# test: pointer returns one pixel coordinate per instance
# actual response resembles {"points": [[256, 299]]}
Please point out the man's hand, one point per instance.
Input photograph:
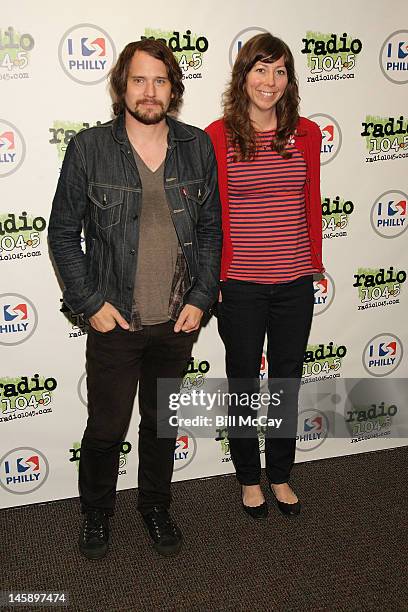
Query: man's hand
{"points": [[106, 319], [189, 319]]}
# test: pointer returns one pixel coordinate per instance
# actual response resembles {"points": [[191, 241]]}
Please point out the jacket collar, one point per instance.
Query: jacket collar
{"points": [[178, 132]]}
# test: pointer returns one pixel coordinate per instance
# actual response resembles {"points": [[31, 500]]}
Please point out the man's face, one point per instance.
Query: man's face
{"points": [[148, 92]]}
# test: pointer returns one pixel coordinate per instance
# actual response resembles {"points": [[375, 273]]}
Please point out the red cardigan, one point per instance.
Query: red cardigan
{"points": [[308, 140]]}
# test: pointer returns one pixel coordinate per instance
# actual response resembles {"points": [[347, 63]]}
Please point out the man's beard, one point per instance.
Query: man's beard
{"points": [[147, 117]]}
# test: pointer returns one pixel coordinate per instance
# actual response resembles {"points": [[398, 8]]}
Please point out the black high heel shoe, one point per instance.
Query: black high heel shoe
{"points": [[256, 512], [287, 509]]}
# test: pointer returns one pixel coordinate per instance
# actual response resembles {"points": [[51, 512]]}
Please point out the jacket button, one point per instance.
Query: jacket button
{"points": [[132, 251]]}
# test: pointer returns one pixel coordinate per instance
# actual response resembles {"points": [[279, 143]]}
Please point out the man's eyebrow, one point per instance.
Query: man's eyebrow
{"points": [[143, 76]]}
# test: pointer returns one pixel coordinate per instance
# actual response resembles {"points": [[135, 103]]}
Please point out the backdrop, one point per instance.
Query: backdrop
{"points": [[352, 64]]}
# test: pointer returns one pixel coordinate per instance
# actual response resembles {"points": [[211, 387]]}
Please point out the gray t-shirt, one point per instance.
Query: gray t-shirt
{"points": [[158, 246]]}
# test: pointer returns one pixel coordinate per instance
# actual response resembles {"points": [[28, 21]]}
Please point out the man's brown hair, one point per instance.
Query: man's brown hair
{"points": [[155, 48]]}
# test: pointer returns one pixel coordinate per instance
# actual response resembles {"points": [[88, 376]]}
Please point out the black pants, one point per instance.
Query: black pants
{"points": [[247, 312], [116, 362]]}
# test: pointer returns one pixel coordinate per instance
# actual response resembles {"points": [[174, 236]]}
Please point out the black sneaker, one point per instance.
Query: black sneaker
{"points": [[94, 536], [167, 537]]}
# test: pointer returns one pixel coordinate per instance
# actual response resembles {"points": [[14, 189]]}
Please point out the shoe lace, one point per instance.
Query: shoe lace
{"points": [[94, 525], [162, 522]]}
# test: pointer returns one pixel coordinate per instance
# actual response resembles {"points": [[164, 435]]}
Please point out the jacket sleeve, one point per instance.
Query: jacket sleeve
{"points": [[209, 235], [64, 235]]}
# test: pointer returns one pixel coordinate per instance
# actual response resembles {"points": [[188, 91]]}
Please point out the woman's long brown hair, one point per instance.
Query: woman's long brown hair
{"points": [[268, 49]]}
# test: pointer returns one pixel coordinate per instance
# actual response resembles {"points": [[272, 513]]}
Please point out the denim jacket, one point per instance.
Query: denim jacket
{"points": [[99, 191]]}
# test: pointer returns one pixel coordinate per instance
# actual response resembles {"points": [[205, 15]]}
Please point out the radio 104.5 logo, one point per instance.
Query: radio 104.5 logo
{"points": [[62, 131], [188, 48], [194, 374], [322, 362], [336, 217], [222, 438], [125, 449], [378, 287], [330, 57], [15, 51], [373, 406], [386, 138], [25, 397], [20, 235], [370, 421], [78, 326]]}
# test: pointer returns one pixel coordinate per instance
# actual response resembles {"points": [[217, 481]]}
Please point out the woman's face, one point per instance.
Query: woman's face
{"points": [[265, 85]]}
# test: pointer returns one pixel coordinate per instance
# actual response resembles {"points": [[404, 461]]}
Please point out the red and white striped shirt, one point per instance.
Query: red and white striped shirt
{"points": [[269, 233]]}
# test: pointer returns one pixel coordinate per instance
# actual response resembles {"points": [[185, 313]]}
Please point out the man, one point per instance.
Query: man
{"points": [[144, 188]]}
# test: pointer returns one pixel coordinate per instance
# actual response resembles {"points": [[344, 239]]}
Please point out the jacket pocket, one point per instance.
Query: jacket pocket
{"points": [[195, 194], [107, 204]]}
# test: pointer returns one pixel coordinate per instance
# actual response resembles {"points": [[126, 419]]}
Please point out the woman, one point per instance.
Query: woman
{"points": [[269, 173]]}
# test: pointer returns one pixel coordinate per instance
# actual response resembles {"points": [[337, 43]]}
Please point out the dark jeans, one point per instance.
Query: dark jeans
{"points": [[116, 362], [247, 312]]}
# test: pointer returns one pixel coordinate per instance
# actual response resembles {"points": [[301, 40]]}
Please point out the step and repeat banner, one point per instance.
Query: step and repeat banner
{"points": [[352, 65]]}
